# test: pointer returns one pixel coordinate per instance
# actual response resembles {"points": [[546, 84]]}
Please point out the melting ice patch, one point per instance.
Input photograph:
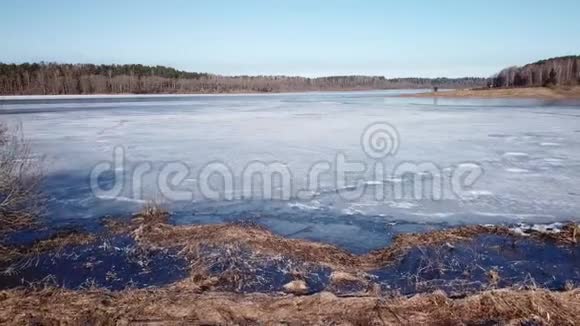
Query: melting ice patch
{"points": [[401, 204], [352, 211], [314, 205]]}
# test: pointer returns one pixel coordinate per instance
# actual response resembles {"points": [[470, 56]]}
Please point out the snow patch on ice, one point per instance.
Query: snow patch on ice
{"points": [[474, 194], [553, 160], [525, 229], [517, 170], [124, 199], [439, 215], [516, 154]]}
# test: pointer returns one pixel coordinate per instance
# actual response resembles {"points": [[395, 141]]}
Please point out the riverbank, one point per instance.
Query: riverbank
{"points": [[145, 269], [558, 93]]}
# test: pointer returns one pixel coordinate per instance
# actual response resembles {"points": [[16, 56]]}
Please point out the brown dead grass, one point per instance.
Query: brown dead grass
{"points": [[16, 222], [116, 226], [150, 230], [185, 305], [558, 93], [60, 241], [54, 244], [189, 239], [191, 301], [152, 213], [8, 253]]}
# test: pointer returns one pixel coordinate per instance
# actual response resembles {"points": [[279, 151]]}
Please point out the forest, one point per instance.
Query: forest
{"points": [[560, 71], [63, 79]]}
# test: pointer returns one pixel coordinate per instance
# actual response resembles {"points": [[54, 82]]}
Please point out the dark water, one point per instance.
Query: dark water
{"points": [[459, 270], [264, 274], [466, 266], [114, 263], [117, 263]]}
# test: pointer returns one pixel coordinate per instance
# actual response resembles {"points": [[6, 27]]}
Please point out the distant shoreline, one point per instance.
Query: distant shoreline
{"points": [[168, 95], [556, 93]]}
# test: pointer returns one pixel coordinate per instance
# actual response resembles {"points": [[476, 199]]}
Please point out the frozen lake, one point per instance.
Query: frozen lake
{"points": [[522, 159]]}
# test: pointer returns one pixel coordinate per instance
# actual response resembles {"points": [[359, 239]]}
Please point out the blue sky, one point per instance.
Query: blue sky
{"points": [[311, 38]]}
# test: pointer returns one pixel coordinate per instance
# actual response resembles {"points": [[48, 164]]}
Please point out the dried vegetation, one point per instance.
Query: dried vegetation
{"points": [[194, 300], [183, 305]]}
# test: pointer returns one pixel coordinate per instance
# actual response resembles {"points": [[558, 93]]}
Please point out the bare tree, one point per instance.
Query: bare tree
{"points": [[555, 71], [20, 175]]}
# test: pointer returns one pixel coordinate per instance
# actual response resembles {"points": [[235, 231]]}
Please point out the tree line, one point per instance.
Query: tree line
{"points": [[558, 71], [63, 79]]}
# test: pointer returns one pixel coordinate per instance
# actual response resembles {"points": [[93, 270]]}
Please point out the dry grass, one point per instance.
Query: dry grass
{"points": [[185, 305], [190, 239], [192, 301], [236, 246], [152, 213], [116, 226], [150, 230], [8, 253], [60, 241], [54, 244], [558, 93], [233, 248]]}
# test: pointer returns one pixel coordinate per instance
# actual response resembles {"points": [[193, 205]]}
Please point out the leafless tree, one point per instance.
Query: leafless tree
{"points": [[20, 175], [550, 72]]}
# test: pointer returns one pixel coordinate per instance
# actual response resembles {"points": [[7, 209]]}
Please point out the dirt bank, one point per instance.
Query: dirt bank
{"points": [[559, 93], [185, 305]]}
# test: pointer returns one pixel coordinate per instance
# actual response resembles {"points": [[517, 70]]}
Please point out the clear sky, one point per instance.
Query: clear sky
{"points": [[312, 38]]}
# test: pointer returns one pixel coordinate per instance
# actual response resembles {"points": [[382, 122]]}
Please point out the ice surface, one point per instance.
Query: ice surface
{"points": [[529, 151]]}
